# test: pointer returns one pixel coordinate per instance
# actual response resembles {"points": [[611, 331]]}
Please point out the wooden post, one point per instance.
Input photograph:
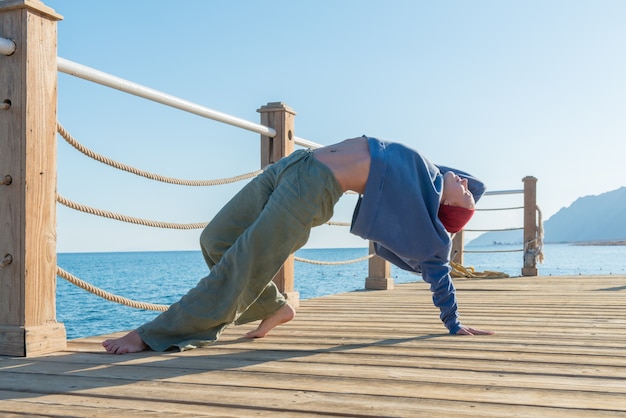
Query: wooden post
{"points": [[530, 226], [456, 254], [279, 116], [28, 88], [379, 273]]}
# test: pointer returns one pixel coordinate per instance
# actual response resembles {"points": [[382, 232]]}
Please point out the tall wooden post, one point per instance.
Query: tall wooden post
{"points": [[379, 273], [530, 226], [28, 90], [456, 254], [280, 117]]}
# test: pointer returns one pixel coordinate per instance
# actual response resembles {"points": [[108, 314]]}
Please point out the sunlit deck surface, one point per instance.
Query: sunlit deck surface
{"points": [[560, 351]]}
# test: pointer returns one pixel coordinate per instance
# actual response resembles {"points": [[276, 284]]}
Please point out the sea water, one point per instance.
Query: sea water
{"points": [[163, 277]]}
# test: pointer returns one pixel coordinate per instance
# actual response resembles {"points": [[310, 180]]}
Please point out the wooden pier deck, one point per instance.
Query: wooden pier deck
{"points": [[560, 351]]}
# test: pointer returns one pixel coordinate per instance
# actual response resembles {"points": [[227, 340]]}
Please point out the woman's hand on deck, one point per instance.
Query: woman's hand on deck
{"points": [[473, 331]]}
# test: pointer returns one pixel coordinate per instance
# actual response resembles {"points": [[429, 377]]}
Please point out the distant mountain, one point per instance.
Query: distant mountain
{"points": [[588, 219]]}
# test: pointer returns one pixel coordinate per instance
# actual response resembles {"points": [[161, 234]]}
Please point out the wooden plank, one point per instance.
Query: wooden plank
{"points": [[328, 395], [256, 367], [118, 381]]}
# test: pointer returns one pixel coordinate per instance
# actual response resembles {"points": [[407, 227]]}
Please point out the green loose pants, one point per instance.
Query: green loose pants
{"points": [[244, 246]]}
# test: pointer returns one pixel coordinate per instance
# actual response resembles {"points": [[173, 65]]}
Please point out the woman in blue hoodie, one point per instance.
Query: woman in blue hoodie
{"points": [[408, 207]]}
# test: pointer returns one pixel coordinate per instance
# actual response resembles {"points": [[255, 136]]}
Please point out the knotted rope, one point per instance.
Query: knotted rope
{"points": [[537, 251]]}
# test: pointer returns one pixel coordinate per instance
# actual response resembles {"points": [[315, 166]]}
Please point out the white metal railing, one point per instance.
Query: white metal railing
{"points": [[96, 76], [503, 192], [7, 46]]}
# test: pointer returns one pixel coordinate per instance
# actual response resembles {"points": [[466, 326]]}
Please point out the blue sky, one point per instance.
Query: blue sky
{"points": [[502, 89]]}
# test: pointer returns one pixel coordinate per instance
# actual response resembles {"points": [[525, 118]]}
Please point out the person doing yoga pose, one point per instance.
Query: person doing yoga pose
{"points": [[407, 207]]}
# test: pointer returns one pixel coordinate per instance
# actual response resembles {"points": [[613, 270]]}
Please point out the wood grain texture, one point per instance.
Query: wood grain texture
{"points": [[559, 351]]}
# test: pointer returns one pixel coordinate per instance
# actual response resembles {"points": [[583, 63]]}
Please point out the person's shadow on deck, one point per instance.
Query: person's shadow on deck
{"points": [[79, 373]]}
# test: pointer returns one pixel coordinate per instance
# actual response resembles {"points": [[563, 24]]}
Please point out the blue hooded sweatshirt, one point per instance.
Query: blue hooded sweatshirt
{"points": [[398, 212]]}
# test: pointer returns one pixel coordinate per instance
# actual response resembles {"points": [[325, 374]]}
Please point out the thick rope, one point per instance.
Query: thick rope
{"points": [[139, 221], [151, 306], [106, 295], [129, 219], [333, 263], [458, 271], [120, 166], [331, 223]]}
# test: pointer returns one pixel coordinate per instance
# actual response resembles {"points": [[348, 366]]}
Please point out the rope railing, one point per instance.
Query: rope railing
{"points": [[96, 76], [139, 221], [458, 270], [121, 166], [143, 305], [106, 295], [334, 263], [521, 228], [129, 219], [134, 220], [151, 306], [532, 253]]}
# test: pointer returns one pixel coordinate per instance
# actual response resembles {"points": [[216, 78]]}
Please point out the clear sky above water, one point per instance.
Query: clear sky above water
{"points": [[501, 89]]}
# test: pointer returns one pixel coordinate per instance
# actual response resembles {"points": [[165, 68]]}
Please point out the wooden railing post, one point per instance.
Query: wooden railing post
{"points": [[456, 254], [379, 273], [281, 117], [28, 90], [530, 226]]}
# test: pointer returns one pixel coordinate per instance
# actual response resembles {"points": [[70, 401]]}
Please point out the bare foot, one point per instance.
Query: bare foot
{"points": [[129, 343], [285, 314]]}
